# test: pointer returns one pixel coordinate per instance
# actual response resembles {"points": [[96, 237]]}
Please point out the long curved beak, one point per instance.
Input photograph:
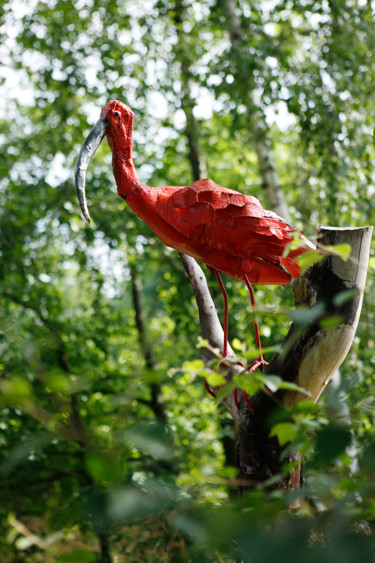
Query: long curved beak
{"points": [[93, 140]]}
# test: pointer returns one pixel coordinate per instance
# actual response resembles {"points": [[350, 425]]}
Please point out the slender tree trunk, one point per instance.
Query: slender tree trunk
{"points": [[136, 287], [157, 401], [197, 162], [198, 169], [257, 124]]}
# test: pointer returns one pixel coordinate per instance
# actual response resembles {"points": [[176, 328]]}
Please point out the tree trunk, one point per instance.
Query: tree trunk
{"points": [[156, 402], [198, 167], [197, 162], [257, 123], [310, 354]]}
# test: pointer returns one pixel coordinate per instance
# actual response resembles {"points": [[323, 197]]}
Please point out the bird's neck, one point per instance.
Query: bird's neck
{"points": [[125, 175], [121, 141]]}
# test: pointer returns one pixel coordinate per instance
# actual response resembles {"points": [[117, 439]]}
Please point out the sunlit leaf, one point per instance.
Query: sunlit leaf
{"points": [[25, 542], [342, 250], [194, 366], [308, 259], [331, 322], [17, 390], [215, 378], [237, 344], [284, 431]]}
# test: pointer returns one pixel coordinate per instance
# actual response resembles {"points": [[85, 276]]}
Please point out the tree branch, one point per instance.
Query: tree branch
{"points": [[156, 403]]}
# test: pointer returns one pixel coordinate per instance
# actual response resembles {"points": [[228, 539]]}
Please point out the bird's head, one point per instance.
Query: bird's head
{"points": [[116, 121]]}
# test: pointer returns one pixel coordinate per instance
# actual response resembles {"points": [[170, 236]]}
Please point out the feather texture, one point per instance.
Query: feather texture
{"points": [[223, 228]]}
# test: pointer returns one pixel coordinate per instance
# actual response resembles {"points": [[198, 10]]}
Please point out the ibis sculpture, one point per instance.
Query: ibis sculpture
{"points": [[226, 230]]}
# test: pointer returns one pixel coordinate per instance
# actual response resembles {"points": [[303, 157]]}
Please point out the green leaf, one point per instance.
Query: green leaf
{"points": [[78, 555], [225, 391], [105, 466], [329, 323], [342, 250], [294, 387], [367, 460], [17, 390], [237, 344], [274, 383], [284, 431], [345, 296], [215, 379], [296, 243], [253, 353], [24, 542], [194, 366], [308, 259], [152, 438], [331, 442], [20, 452], [250, 383], [305, 316]]}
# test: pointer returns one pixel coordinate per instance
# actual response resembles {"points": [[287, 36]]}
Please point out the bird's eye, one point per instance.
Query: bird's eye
{"points": [[116, 114]]}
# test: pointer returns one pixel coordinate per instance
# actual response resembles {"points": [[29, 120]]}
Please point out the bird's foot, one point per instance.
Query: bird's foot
{"points": [[256, 364], [252, 367]]}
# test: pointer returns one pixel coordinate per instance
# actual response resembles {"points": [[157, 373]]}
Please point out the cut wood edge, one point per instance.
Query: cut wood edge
{"points": [[320, 351], [311, 358]]}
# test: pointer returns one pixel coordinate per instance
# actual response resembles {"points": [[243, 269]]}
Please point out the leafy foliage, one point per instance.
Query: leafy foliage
{"points": [[102, 450]]}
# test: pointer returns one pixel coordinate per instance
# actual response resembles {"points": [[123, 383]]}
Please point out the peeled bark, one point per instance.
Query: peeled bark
{"points": [[310, 354]]}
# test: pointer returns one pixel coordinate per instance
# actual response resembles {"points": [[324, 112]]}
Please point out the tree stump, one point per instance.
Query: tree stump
{"points": [[332, 292]]}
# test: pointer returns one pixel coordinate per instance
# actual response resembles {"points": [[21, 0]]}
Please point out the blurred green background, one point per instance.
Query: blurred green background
{"points": [[110, 448]]}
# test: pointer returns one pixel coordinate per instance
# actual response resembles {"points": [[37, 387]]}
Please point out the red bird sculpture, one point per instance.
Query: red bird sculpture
{"points": [[226, 230]]}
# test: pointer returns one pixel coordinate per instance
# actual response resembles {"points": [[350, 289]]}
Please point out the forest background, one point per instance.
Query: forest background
{"points": [[110, 448]]}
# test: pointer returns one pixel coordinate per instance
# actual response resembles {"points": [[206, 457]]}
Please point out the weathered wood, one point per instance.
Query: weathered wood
{"points": [[310, 354], [337, 286]]}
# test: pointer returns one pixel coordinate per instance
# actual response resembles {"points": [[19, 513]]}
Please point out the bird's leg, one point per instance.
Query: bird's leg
{"points": [[208, 389], [260, 361], [256, 327], [225, 345]]}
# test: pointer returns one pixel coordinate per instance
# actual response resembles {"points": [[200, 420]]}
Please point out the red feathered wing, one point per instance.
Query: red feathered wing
{"points": [[229, 231]]}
